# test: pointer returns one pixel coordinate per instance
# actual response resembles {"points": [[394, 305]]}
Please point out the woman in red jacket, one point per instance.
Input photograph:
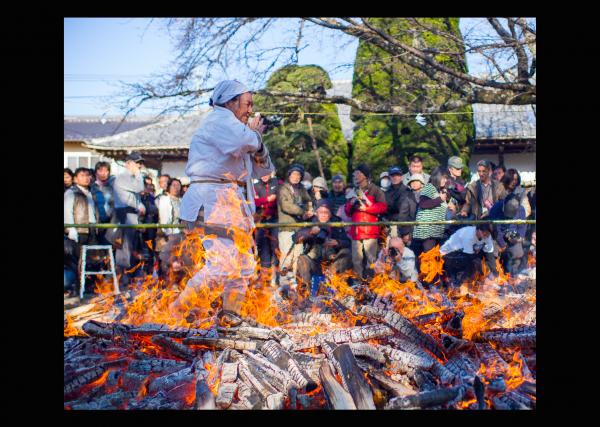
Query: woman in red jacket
{"points": [[366, 205]]}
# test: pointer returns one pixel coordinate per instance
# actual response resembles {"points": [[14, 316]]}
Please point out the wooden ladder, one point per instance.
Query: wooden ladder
{"points": [[84, 272]]}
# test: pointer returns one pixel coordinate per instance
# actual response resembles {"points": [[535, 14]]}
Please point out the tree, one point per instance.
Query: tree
{"points": [[384, 141], [291, 142], [210, 45]]}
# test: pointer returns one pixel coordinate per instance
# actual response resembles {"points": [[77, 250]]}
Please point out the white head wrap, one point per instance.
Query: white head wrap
{"points": [[226, 90]]}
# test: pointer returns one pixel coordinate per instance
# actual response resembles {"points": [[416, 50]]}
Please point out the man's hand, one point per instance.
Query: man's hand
{"points": [[257, 124], [443, 196], [452, 207], [73, 235], [362, 208], [488, 204], [142, 210], [315, 230], [271, 198]]}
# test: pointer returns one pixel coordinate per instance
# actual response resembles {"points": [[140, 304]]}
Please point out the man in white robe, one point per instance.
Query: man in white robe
{"points": [[226, 152]]}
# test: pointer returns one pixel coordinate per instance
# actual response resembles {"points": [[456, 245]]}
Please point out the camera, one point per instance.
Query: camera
{"points": [[511, 236], [393, 252], [271, 122]]}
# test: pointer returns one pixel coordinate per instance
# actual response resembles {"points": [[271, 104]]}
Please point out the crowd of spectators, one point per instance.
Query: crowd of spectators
{"points": [[293, 258]]}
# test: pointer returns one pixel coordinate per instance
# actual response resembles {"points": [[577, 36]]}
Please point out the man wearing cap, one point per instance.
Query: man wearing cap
{"points": [[455, 185], [366, 204], [129, 206], [225, 153], [293, 205], [323, 246], [483, 193], [394, 196], [337, 196]]}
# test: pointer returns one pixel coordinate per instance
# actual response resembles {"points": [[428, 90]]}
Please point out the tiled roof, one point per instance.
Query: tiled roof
{"points": [[86, 128], [495, 121]]}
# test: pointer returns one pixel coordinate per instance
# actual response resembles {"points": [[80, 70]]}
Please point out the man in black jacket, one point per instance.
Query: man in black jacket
{"points": [[394, 197], [322, 245]]}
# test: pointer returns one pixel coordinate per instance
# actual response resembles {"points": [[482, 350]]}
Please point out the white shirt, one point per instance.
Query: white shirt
{"points": [[168, 211], [465, 239]]}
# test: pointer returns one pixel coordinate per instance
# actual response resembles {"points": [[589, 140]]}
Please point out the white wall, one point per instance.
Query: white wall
{"points": [[175, 169], [524, 163]]}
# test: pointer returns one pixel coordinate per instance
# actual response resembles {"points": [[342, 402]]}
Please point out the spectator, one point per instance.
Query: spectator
{"points": [[337, 197], [498, 172], [149, 234], [323, 246], [265, 199], [415, 165], [433, 203], [366, 204], [102, 190], [512, 186], [384, 181], [482, 194], [409, 205], [80, 208], [400, 258], [184, 188], [464, 250], [128, 187], [394, 196], [163, 181], [510, 236], [307, 181], [71, 261], [293, 205], [169, 207], [319, 190], [68, 177], [456, 186]]}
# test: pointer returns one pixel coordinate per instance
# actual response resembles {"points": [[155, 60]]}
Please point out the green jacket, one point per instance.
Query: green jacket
{"points": [[292, 203]]}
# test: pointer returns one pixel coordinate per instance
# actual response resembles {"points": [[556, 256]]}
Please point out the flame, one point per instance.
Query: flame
{"points": [[431, 265], [70, 330]]}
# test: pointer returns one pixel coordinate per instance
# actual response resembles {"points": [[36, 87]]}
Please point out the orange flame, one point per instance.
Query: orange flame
{"points": [[432, 265]]}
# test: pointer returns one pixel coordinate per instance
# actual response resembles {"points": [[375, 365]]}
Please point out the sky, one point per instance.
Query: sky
{"points": [[101, 52]]}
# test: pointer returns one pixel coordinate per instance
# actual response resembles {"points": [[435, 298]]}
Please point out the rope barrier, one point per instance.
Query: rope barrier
{"points": [[310, 224]]}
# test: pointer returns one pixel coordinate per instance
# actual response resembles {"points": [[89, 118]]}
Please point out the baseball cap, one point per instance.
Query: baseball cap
{"points": [[395, 170], [134, 156], [456, 162]]}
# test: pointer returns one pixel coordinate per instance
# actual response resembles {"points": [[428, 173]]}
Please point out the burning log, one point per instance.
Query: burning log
{"points": [[452, 344], [357, 386], [408, 359], [246, 374], [172, 380], [454, 325], [226, 393], [173, 347], [229, 372], [479, 390], [156, 366], [508, 401], [204, 396], [334, 392], [222, 343], [341, 336], [405, 327], [248, 398], [272, 369], [133, 381], [461, 366], [396, 389], [73, 374], [494, 363], [527, 387], [437, 316], [108, 401], [284, 360], [423, 379], [106, 330], [427, 399], [81, 380], [156, 329], [524, 336], [367, 350], [160, 401], [275, 401], [310, 319]]}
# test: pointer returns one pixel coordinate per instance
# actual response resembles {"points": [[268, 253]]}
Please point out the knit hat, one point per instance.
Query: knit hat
{"points": [[296, 167], [416, 177], [325, 203], [455, 162], [320, 182], [364, 169]]}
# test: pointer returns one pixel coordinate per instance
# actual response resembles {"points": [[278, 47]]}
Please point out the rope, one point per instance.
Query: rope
{"points": [[310, 224]]}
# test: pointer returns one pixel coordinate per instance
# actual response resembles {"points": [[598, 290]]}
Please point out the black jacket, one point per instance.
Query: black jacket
{"points": [[313, 244], [408, 211], [457, 188], [393, 198]]}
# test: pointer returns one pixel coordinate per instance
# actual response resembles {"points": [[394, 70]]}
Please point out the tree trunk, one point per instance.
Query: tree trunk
{"points": [[314, 146]]}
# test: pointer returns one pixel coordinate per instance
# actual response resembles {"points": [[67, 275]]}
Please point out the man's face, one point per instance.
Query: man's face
{"points": [[359, 177], [323, 214], [416, 185], [498, 174], [68, 179], [338, 186], [265, 178], [175, 188], [295, 177], [456, 173], [398, 244], [133, 166], [242, 108], [415, 167], [162, 182], [83, 179], [102, 173], [396, 179], [484, 173]]}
